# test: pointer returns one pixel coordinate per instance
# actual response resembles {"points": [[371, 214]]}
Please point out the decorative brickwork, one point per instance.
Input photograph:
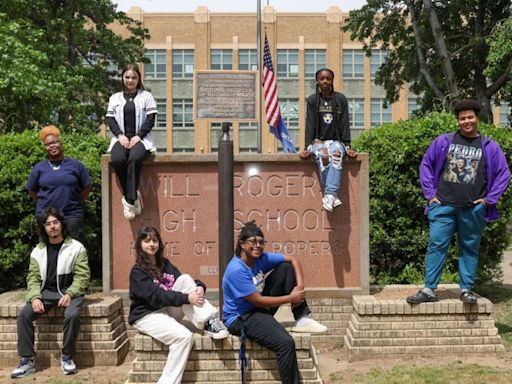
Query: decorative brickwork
{"points": [[102, 339], [385, 325], [213, 361]]}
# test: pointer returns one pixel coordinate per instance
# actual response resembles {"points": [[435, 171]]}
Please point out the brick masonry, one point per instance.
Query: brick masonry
{"points": [[385, 325], [102, 340]]}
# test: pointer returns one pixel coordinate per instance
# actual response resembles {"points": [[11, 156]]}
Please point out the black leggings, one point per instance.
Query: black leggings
{"points": [[127, 164], [261, 326]]}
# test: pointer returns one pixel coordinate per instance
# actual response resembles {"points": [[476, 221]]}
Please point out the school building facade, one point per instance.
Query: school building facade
{"points": [[300, 44]]}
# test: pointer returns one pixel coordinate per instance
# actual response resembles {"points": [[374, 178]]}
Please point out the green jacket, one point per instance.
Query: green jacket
{"points": [[73, 274]]}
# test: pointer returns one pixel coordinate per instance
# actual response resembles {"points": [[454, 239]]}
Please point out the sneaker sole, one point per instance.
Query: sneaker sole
{"points": [[216, 335], [29, 372]]}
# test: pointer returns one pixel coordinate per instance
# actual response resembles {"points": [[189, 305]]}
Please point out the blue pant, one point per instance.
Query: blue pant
{"points": [[330, 174], [469, 223]]}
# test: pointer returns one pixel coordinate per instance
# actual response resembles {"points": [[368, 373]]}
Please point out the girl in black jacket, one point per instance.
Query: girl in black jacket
{"points": [[160, 297]]}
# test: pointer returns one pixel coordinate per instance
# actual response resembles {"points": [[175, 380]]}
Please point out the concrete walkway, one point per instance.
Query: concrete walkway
{"points": [[506, 265]]}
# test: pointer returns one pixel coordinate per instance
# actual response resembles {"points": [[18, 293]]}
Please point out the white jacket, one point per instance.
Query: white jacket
{"points": [[144, 105]]}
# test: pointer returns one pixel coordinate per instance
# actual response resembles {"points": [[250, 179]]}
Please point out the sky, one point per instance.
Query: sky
{"points": [[238, 5]]}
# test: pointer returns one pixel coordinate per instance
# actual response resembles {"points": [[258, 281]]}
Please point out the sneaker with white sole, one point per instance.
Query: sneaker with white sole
{"points": [[215, 329], [138, 205], [312, 326], [327, 202], [128, 210], [337, 202], [68, 365], [25, 367]]}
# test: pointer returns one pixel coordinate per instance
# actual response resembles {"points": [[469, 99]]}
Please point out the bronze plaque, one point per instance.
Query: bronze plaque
{"points": [[226, 95]]}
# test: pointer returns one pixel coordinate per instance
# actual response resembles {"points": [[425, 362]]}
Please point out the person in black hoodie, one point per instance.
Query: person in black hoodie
{"points": [[160, 296]]}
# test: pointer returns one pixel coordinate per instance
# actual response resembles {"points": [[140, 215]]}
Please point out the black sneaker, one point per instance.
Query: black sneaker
{"points": [[422, 297], [468, 297], [215, 329]]}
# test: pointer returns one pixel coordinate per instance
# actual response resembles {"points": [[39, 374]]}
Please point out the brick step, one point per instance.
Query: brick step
{"points": [[420, 333], [421, 341], [366, 353], [257, 375], [51, 357]]}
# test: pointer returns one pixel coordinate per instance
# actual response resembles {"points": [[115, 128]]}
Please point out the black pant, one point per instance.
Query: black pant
{"points": [[127, 164], [27, 316], [261, 326]]}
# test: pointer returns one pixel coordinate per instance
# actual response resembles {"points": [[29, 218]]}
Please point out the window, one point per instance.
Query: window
{"points": [[182, 63], [376, 60], [248, 137], [505, 115], [221, 59], [356, 113], [156, 67], [314, 59], [412, 106], [215, 132], [353, 63], [183, 125], [248, 59], [161, 116], [287, 63], [290, 114], [379, 113]]}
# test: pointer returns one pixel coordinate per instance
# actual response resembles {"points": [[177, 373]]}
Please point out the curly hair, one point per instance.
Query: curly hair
{"points": [[466, 105], [47, 212]]}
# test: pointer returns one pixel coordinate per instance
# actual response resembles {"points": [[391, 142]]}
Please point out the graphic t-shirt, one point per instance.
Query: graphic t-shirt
{"points": [[326, 117], [240, 281], [464, 176]]}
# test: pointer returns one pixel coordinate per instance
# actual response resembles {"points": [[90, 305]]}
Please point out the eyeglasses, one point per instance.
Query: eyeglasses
{"points": [[256, 242]]}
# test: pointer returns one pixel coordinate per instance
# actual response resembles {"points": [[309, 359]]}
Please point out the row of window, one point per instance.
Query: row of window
{"points": [[287, 62]]}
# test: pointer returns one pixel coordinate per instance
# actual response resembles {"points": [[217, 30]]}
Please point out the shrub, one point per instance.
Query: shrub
{"points": [[18, 153], [398, 225]]}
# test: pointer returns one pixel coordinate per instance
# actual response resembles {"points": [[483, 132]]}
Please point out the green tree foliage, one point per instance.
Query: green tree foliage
{"points": [[18, 153], [60, 61], [398, 225], [438, 47], [500, 53]]}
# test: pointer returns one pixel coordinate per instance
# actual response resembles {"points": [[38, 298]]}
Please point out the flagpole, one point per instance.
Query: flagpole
{"points": [[258, 48]]}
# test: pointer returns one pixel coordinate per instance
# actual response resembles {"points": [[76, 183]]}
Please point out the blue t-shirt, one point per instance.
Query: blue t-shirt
{"points": [[60, 187], [240, 281]]}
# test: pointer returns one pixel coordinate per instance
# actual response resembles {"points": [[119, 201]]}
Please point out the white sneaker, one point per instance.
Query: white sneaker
{"points": [[128, 210], [215, 329], [25, 367], [68, 365], [337, 202], [327, 202], [312, 326], [138, 205]]}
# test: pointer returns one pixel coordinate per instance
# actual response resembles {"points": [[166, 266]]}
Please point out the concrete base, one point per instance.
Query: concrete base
{"points": [[384, 324], [102, 340]]}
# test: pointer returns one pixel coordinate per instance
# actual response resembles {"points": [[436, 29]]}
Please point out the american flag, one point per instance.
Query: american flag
{"points": [[274, 118]]}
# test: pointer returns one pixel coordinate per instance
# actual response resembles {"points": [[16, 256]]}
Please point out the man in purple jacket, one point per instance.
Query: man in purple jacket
{"points": [[460, 204]]}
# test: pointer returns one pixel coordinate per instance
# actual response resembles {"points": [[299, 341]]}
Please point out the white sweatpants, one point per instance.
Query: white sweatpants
{"points": [[164, 327]]}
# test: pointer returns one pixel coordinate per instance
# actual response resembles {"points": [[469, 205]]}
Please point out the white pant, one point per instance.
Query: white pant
{"points": [[164, 326]]}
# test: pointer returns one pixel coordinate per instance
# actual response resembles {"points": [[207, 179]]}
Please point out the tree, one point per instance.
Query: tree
{"points": [[438, 47], [60, 60]]}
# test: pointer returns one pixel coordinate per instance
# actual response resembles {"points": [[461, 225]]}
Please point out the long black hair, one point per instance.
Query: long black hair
{"points": [[156, 269], [250, 229], [55, 212], [332, 101]]}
